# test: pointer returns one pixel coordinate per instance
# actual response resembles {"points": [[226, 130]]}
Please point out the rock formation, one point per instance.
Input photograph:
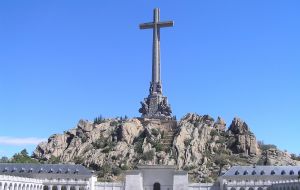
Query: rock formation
{"points": [[196, 143]]}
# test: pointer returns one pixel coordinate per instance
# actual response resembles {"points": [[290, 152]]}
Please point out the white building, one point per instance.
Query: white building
{"points": [[156, 177], [257, 177], [49, 176]]}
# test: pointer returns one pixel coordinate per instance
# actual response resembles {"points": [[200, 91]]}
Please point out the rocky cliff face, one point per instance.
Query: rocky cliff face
{"points": [[196, 143]]}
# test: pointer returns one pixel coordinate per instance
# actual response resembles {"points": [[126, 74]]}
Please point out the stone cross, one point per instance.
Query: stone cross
{"points": [[156, 25]]}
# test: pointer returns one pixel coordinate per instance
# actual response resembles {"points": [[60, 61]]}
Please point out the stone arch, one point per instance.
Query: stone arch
{"points": [[260, 188], [20, 186], [46, 187], [242, 188], [72, 188], [251, 188], [232, 188], [5, 186], [15, 186], [10, 186]]}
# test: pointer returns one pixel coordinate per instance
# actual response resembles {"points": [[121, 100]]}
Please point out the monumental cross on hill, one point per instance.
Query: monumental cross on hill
{"points": [[156, 106]]}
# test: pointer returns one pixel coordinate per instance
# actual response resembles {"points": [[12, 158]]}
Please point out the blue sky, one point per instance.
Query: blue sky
{"points": [[61, 61]]}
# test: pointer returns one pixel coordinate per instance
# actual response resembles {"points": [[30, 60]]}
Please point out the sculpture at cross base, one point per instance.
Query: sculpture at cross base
{"points": [[156, 105]]}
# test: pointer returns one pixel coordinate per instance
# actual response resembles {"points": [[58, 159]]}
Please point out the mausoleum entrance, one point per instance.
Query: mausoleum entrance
{"points": [[156, 186]]}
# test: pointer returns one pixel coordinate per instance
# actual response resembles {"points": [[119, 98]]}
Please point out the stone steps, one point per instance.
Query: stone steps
{"points": [[167, 140]]}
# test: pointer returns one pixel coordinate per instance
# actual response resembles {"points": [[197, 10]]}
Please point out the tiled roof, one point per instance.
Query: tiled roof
{"points": [[263, 170], [18, 168]]}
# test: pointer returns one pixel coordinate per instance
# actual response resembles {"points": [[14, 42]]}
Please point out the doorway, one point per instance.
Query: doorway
{"points": [[156, 186]]}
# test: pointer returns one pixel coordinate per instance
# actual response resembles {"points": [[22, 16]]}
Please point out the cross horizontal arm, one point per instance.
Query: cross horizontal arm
{"points": [[165, 24], [159, 24], [147, 25]]}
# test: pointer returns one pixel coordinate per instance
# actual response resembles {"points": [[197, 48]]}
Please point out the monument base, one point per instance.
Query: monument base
{"points": [[156, 106]]}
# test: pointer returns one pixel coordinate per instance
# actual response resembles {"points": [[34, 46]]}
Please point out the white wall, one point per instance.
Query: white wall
{"points": [[108, 186]]}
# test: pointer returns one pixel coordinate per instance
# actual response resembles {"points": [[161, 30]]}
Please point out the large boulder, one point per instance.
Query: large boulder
{"points": [[242, 140]]}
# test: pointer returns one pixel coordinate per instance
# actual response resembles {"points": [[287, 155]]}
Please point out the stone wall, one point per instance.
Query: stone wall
{"points": [[109, 186]]}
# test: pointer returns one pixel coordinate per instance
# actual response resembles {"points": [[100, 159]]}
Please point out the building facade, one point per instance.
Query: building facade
{"points": [[257, 177], [156, 177], [47, 176]]}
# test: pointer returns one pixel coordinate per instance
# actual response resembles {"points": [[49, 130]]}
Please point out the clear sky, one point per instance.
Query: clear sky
{"points": [[61, 61]]}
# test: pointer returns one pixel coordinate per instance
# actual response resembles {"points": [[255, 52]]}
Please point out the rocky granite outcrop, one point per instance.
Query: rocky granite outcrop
{"points": [[242, 140], [198, 144]]}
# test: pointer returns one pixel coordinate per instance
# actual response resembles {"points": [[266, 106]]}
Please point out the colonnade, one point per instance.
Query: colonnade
{"points": [[19, 183], [24, 183], [66, 184], [294, 185]]}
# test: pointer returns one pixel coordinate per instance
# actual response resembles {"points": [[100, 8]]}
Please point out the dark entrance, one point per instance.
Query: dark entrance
{"points": [[156, 186]]}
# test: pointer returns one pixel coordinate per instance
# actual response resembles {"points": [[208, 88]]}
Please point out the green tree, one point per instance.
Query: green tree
{"points": [[23, 157], [221, 160]]}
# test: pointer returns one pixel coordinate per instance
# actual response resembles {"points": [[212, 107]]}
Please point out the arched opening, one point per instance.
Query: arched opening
{"points": [[232, 188], [10, 186], [251, 188], [242, 188], [5, 186], [45, 187], [156, 186], [260, 188], [72, 188]]}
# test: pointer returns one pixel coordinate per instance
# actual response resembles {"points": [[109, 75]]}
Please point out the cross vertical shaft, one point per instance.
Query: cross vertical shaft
{"points": [[156, 25], [156, 49]]}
